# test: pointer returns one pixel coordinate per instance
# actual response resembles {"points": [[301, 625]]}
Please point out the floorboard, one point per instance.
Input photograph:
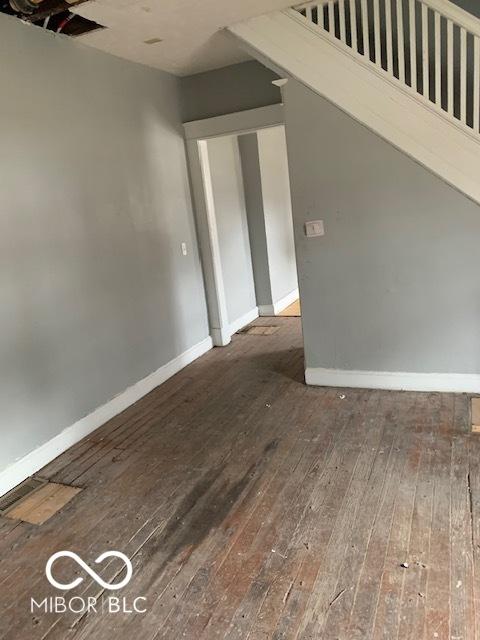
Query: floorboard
{"points": [[253, 507], [293, 310]]}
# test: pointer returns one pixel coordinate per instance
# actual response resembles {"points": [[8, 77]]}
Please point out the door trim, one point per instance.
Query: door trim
{"points": [[197, 133]]}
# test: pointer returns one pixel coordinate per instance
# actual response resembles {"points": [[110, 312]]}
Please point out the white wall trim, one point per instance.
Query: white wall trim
{"points": [[217, 297], [208, 240], [18, 471], [234, 123], [277, 307], [286, 301], [241, 322], [196, 133], [221, 336], [401, 381]]}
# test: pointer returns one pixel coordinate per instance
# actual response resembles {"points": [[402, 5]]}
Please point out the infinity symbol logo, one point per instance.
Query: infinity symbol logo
{"points": [[87, 569]]}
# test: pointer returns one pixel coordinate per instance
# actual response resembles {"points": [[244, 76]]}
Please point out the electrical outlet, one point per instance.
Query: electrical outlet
{"points": [[184, 248], [314, 228]]}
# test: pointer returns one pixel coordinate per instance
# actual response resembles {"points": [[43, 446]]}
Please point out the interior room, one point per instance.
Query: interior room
{"points": [[239, 313]]}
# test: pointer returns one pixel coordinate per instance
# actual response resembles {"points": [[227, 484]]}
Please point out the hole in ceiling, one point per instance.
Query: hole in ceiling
{"points": [[53, 15], [152, 41]]}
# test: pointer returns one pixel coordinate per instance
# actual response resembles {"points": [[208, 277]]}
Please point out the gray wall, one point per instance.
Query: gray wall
{"points": [[273, 159], [247, 85], [393, 285], [472, 6], [94, 291], [232, 225], [267, 194], [248, 145]]}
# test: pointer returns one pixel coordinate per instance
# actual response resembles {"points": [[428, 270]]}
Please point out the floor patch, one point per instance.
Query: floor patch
{"points": [[261, 330], [16, 494], [41, 504]]}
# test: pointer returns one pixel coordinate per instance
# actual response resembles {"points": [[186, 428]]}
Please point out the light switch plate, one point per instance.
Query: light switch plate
{"points": [[314, 228]]}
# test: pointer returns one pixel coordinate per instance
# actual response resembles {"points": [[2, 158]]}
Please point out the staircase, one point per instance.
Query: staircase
{"points": [[407, 69]]}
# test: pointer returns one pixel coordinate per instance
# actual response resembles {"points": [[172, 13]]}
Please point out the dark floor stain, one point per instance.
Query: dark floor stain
{"points": [[203, 509], [271, 446]]}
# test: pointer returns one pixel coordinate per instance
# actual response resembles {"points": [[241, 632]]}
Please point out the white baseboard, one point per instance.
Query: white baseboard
{"points": [[243, 321], [35, 460], [278, 306], [221, 337], [446, 382], [286, 301]]}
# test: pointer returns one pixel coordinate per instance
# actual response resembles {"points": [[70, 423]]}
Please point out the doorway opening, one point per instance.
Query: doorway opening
{"points": [[242, 195]]}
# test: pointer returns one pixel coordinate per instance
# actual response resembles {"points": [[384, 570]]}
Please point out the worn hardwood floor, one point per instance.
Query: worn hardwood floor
{"points": [[292, 310], [254, 507]]}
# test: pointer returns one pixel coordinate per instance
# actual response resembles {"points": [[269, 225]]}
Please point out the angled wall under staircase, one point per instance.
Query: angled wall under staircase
{"points": [[391, 294]]}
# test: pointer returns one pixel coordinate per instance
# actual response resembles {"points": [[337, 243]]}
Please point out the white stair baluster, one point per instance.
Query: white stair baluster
{"points": [[425, 53], [377, 32], [476, 83], [438, 59], [400, 42], [365, 29], [331, 17], [450, 69], [413, 44], [341, 15], [353, 24], [388, 35], [463, 75]]}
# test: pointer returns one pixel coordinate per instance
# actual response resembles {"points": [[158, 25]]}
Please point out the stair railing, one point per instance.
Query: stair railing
{"points": [[431, 47]]}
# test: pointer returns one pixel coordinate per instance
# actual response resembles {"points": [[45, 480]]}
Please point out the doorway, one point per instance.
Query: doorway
{"points": [[242, 195]]}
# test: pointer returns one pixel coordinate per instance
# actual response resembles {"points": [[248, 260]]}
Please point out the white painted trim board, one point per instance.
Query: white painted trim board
{"points": [[235, 123], [394, 380], [277, 307]]}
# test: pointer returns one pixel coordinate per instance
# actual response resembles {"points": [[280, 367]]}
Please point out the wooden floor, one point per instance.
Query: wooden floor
{"points": [[293, 310], [255, 507]]}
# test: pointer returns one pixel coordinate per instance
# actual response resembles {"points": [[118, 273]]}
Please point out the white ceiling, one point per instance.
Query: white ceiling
{"points": [[189, 30]]}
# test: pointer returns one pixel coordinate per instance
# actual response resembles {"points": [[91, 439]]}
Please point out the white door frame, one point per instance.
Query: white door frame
{"points": [[197, 133]]}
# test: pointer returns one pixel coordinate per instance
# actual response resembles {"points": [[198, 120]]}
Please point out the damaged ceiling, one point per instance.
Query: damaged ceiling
{"points": [[53, 15], [178, 36]]}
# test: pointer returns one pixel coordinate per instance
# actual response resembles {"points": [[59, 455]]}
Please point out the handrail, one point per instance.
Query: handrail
{"points": [[401, 40], [454, 13], [448, 10], [310, 3]]}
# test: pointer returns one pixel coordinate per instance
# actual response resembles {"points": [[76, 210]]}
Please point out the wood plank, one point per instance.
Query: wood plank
{"points": [[51, 505], [437, 590], [476, 415], [389, 599], [293, 310], [21, 510], [463, 619], [364, 558]]}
